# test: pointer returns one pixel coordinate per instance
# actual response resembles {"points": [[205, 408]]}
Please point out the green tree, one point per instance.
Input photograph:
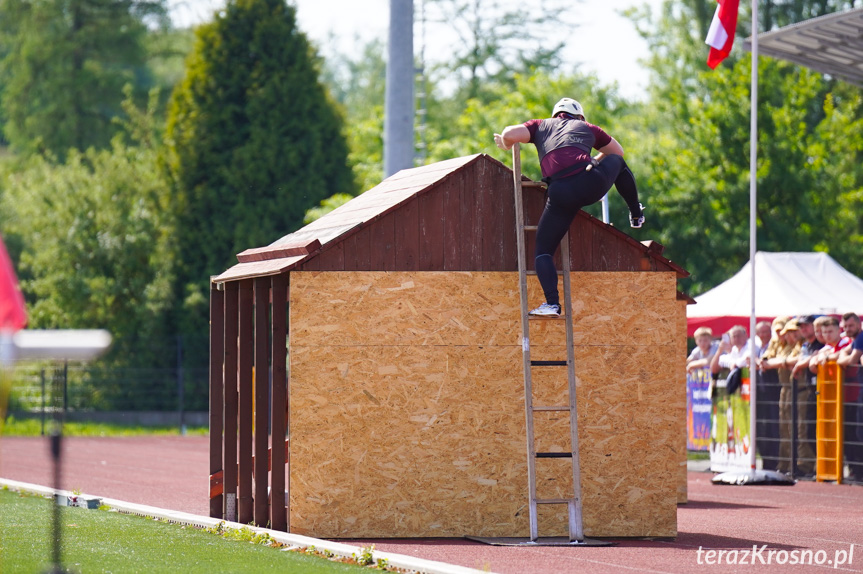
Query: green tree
{"points": [[64, 64], [695, 135], [357, 82], [254, 140], [495, 40], [93, 236], [166, 52]]}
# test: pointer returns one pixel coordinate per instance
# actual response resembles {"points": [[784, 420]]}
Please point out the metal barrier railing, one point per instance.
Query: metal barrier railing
{"points": [[787, 422], [39, 390]]}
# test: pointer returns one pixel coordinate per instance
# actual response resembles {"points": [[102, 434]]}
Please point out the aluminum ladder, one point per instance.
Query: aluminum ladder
{"points": [[576, 529]]}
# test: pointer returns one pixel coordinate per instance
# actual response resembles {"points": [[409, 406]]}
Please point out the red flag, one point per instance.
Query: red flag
{"points": [[720, 37], [12, 313]]}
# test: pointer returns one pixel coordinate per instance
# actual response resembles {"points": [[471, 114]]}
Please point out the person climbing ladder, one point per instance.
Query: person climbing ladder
{"points": [[575, 180]]}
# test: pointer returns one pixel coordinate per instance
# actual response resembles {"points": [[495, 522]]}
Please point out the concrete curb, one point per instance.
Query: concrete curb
{"points": [[419, 565]]}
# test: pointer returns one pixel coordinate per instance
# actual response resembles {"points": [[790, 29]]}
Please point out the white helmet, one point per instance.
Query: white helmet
{"points": [[569, 106]]}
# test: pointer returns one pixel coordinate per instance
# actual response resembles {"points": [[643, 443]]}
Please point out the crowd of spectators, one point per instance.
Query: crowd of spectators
{"points": [[789, 352]]}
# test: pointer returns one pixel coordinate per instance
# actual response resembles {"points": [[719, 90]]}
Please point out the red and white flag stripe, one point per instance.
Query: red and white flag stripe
{"points": [[13, 316], [720, 37]]}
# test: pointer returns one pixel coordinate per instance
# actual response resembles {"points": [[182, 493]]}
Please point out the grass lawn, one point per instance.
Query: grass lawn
{"points": [[33, 427], [103, 541]]}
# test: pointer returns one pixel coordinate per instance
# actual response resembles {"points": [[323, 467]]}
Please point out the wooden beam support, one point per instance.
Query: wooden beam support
{"points": [[278, 511], [279, 251], [262, 395], [217, 480], [217, 345], [232, 330], [245, 509]]}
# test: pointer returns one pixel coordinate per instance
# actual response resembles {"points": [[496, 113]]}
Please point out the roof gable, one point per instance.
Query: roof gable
{"points": [[454, 215], [375, 202]]}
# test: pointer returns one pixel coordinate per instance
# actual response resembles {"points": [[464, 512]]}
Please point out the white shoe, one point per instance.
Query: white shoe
{"points": [[637, 222], [546, 310]]}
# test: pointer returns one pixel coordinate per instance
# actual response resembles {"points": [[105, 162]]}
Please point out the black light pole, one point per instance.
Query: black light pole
{"points": [[56, 525]]}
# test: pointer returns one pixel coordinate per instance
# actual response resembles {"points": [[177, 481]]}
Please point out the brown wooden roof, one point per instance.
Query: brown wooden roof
{"points": [[454, 215]]}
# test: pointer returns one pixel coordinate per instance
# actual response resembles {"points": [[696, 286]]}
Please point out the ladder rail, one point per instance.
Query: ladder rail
{"points": [[525, 340], [576, 526]]}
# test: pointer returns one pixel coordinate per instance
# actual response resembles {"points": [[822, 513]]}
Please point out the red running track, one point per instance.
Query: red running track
{"points": [[824, 519]]}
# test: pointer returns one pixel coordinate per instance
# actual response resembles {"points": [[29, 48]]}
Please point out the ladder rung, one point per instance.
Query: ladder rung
{"points": [[533, 184], [554, 455], [553, 409], [532, 272], [553, 500], [529, 227], [548, 363]]}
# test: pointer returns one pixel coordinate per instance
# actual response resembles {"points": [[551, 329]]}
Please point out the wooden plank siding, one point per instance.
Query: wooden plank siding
{"points": [[456, 215]]}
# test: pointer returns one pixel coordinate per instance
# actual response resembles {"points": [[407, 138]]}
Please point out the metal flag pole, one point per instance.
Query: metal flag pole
{"points": [[753, 238], [753, 475]]}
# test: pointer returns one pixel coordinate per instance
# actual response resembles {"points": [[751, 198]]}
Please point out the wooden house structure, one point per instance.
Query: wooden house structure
{"points": [[390, 328]]}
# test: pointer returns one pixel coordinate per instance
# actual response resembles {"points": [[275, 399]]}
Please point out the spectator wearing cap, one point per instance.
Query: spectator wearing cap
{"points": [[850, 358], [786, 358], [811, 345], [812, 342], [705, 348]]}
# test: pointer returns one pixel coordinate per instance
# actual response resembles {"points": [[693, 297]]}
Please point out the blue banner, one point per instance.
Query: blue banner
{"points": [[698, 409]]}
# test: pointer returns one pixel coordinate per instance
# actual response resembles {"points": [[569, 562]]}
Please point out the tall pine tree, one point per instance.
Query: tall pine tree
{"points": [[254, 140], [63, 65]]}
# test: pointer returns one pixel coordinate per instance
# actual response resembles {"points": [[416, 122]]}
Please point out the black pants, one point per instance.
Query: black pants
{"points": [[565, 197]]}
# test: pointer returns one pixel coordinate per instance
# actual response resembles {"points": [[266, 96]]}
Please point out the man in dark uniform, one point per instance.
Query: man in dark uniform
{"points": [[575, 180], [850, 358]]}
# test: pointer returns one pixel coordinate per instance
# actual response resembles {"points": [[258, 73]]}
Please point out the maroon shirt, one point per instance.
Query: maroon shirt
{"points": [[563, 142]]}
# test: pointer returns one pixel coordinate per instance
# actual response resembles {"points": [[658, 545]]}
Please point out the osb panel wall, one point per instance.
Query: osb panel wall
{"points": [[682, 489], [407, 405]]}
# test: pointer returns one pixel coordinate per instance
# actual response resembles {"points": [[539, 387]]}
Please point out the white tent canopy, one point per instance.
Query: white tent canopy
{"points": [[787, 284]]}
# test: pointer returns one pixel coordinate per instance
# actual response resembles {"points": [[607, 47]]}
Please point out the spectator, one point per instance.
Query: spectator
{"points": [[850, 358], [786, 358], [834, 342], [767, 398], [811, 345], [850, 325], [819, 334], [812, 342], [763, 335], [733, 351], [705, 348], [819, 328]]}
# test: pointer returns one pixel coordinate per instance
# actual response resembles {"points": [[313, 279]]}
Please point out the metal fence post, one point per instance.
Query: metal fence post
{"points": [[65, 387], [180, 389], [44, 406]]}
